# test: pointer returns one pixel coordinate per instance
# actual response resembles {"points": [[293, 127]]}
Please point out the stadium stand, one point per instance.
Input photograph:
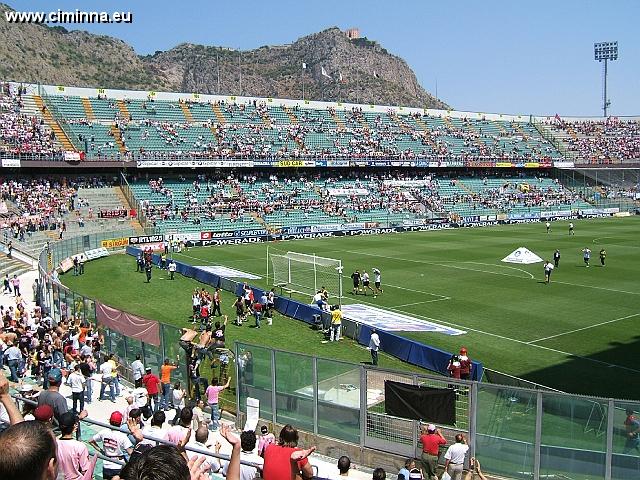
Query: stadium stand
{"points": [[598, 141], [122, 128], [230, 203]]}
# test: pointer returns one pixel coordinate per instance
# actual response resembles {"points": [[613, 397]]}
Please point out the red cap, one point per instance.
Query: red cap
{"points": [[463, 349], [115, 419], [43, 413]]}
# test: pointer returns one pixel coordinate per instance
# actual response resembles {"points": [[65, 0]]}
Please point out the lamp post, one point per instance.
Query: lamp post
{"points": [[605, 51]]}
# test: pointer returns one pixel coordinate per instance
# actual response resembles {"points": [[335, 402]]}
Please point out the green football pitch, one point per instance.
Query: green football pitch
{"points": [[579, 334]]}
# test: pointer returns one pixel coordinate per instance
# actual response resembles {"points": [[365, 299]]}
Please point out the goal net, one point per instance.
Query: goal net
{"points": [[306, 274]]}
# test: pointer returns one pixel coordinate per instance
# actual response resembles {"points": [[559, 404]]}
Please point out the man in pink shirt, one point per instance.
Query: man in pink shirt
{"points": [[212, 393], [73, 456], [177, 433]]}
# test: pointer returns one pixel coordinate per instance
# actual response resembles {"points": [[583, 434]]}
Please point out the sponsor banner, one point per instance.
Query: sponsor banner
{"points": [[326, 228], [523, 216], [555, 213], [11, 162], [504, 164], [71, 156], [202, 163], [531, 165], [182, 237], [611, 210], [622, 214], [413, 223], [563, 164], [296, 229], [471, 219], [478, 164], [115, 242], [337, 163], [263, 163], [146, 239], [453, 164], [113, 213], [97, 253], [403, 164], [210, 235], [295, 163], [250, 233], [66, 265], [501, 217], [374, 231], [346, 192]]}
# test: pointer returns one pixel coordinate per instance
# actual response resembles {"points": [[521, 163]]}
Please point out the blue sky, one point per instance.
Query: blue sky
{"points": [[491, 56]]}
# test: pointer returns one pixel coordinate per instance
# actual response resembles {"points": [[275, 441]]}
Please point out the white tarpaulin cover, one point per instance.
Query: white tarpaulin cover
{"points": [[523, 256]]}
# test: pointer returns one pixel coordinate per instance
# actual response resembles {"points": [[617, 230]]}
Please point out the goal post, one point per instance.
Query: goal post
{"points": [[304, 273]]}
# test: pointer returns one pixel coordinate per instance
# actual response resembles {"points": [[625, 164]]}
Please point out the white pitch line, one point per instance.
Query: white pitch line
{"points": [[442, 297], [424, 262], [596, 287], [502, 337], [420, 303], [504, 266], [584, 328]]}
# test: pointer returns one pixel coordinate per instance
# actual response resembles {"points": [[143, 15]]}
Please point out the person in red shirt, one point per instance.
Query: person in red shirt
{"points": [[431, 440], [152, 384], [454, 367], [284, 461], [465, 364]]}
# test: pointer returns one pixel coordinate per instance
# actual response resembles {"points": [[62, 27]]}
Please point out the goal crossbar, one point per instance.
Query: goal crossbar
{"points": [[306, 274]]}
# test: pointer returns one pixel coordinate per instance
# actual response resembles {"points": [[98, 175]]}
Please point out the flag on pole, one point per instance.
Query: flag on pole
{"points": [[324, 72], [304, 66]]}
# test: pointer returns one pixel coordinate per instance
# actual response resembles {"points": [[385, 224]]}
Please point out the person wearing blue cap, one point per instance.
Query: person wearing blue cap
{"points": [[51, 396]]}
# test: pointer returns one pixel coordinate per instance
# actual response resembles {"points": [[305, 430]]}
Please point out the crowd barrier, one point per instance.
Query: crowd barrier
{"points": [[407, 350]]}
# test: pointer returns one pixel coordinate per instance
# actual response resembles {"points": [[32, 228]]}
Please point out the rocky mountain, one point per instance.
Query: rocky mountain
{"points": [[338, 68]]}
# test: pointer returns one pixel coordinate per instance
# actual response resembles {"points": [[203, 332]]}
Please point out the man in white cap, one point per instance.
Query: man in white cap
{"points": [[431, 440]]}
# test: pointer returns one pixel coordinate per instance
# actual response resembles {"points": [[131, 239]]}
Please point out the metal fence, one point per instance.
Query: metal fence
{"points": [[515, 432], [61, 302]]}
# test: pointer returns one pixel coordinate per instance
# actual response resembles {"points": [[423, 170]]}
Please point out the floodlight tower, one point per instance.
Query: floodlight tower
{"points": [[605, 51]]}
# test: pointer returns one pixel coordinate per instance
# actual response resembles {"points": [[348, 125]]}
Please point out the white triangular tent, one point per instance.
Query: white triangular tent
{"points": [[522, 255]]}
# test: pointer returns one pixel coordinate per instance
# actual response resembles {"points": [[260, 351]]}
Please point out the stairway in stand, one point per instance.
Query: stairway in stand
{"points": [[219, 115], [88, 109], [123, 109], [187, 113], [117, 137], [337, 119], [53, 124]]}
